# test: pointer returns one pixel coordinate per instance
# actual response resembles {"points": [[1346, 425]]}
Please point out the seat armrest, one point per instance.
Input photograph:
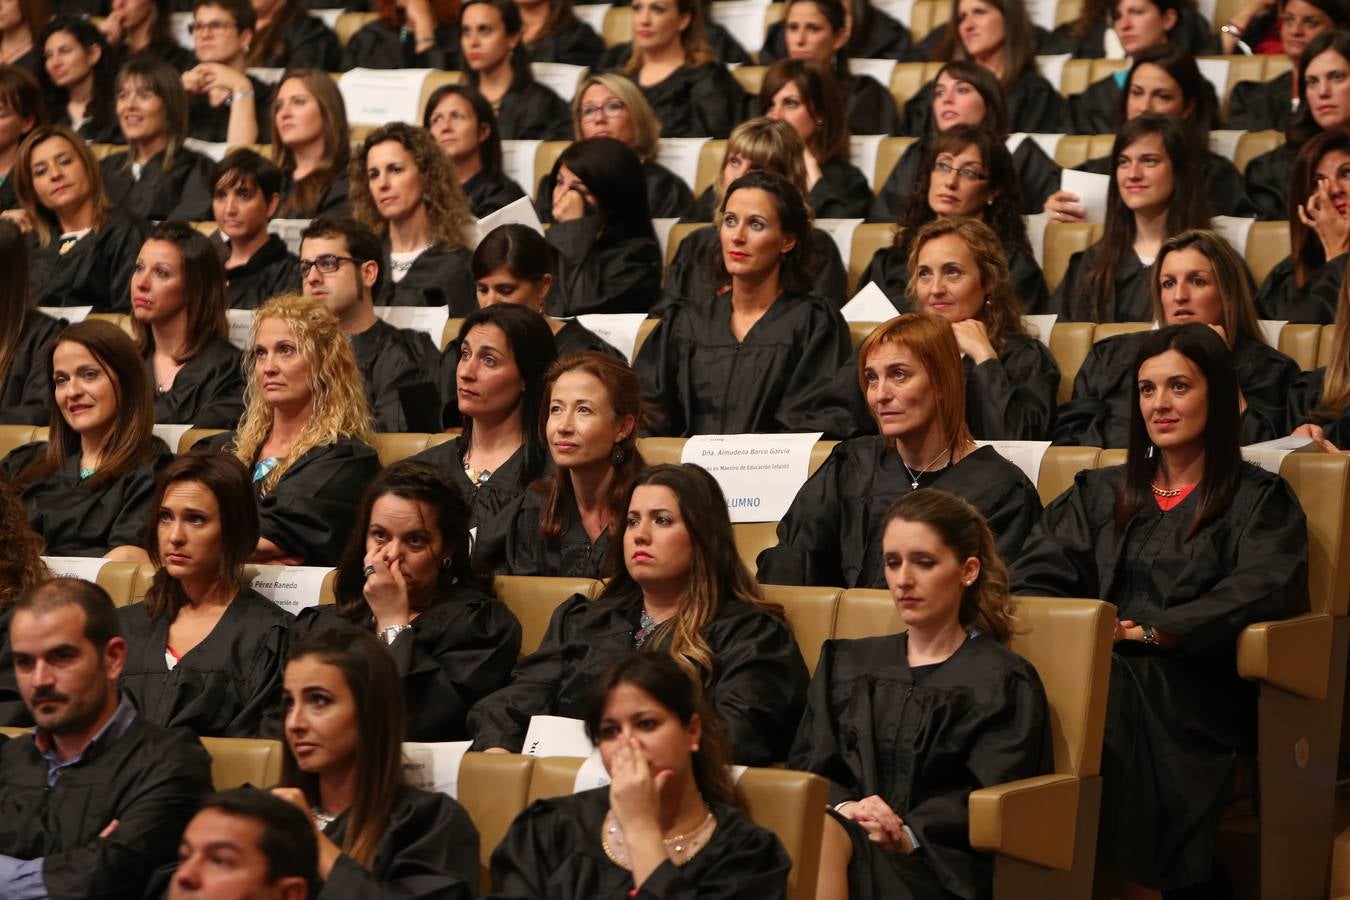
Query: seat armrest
{"points": [[1294, 654], [1034, 820]]}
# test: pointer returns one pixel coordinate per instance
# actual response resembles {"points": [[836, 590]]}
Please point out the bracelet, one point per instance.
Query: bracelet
{"points": [[1230, 28], [390, 634], [424, 42], [240, 95]]}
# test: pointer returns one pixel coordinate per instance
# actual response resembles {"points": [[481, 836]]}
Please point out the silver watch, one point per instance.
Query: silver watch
{"points": [[390, 634]]}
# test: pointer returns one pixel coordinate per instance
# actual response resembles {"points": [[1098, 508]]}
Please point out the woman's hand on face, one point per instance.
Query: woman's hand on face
{"points": [[972, 338], [1064, 206], [568, 207], [1320, 214], [634, 790], [386, 591]]}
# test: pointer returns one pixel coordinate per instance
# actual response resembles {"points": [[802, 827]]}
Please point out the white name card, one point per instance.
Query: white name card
{"points": [[215, 150], [870, 304], [289, 231], [1234, 230], [862, 152], [1036, 223], [1052, 66], [171, 434], [1043, 12], [619, 329], [662, 228], [71, 314], [680, 155], [879, 69], [293, 588], [1225, 141], [1091, 189], [1041, 325], [744, 19], [272, 74], [429, 319], [81, 567], [520, 211], [1272, 329], [901, 11], [518, 163], [592, 774], [1270, 455], [241, 323], [841, 230], [556, 736], [593, 14], [179, 23], [560, 78], [759, 473], [434, 766], [1026, 455], [377, 96]]}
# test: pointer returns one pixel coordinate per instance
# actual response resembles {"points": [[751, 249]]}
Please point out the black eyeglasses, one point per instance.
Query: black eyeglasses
{"points": [[210, 27], [327, 262], [969, 173]]}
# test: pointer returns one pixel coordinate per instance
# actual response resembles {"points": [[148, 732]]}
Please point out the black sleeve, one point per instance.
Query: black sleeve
{"points": [[26, 390], [310, 44], [1036, 107], [1016, 393], [1226, 189], [718, 101], [119, 247], [592, 277], [1266, 387], [1268, 184], [1067, 299], [823, 347], [841, 192], [309, 510], [894, 194], [1259, 105], [758, 686], [1085, 420], [819, 748], [659, 366], [747, 862], [917, 116], [1094, 110], [808, 551], [1028, 281], [1057, 560], [137, 489], [261, 715], [194, 190]]}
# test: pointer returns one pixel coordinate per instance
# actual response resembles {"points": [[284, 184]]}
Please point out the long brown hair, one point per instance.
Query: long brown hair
{"points": [[268, 42], [824, 98], [337, 152], [21, 565], [1019, 41], [693, 39], [205, 293], [448, 214], [27, 192], [162, 80], [1240, 319], [930, 338], [1336, 384]]}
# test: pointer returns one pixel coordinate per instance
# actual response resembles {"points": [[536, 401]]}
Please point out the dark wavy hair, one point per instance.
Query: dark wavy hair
{"points": [[834, 13], [610, 168], [1196, 90], [21, 565], [824, 98], [799, 266], [490, 148], [519, 249], [1302, 126], [102, 107]]}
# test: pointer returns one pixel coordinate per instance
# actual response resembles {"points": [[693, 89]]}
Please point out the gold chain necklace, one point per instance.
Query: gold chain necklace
{"points": [[680, 848]]}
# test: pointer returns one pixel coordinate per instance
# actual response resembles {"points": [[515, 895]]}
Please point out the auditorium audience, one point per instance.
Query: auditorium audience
{"points": [[1138, 25], [287, 37], [1320, 400], [21, 110], [77, 76], [407, 576], [310, 143], [872, 34], [649, 719], [552, 33], [26, 337], [98, 796], [21, 569], [465, 128], [1286, 27], [88, 487], [20, 23], [1101, 28], [1191, 544], [676, 588], [225, 102], [204, 650], [246, 193], [143, 30], [497, 65], [378, 836], [409, 34]]}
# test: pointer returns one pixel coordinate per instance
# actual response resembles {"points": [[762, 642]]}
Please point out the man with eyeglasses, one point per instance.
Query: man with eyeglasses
{"points": [[225, 103], [340, 267]]}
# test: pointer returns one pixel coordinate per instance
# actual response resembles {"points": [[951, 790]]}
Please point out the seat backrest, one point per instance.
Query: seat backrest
{"points": [[553, 776], [1068, 11], [1240, 68], [236, 762], [15, 436], [451, 330], [1325, 343], [11, 731], [1103, 67], [858, 331], [907, 79], [1060, 466], [119, 579], [544, 157], [1072, 149], [121, 320], [644, 331], [820, 451], [349, 23], [1267, 245], [788, 804], [658, 450], [437, 79], [394, 446], [1076, 77], [678, 232], [889, 152], [618, 25], [1299, 342], [493, 788], [1070, 343], [752, 539], [750, 77], [193, 435], [1063, 240], [1253, 144], [102, 151], [533, 599], [810, 615], [1322, 483], [710, 157], [867, 240], [1113, 329]]}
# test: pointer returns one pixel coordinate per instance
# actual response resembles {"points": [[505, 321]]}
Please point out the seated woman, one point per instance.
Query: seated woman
{"points": [[909, 370], [647, 716], [689, 89], [1304, 286], [1145, 205], [552, 33], [204, 650], [807, 97], [1286, 27], [178, 304], [403, 188], [756, 144], [143, 30], [226, 103], [676, 588], [497, 66], [563, 526], [407, 576], [1319, 401], [26, 337], [1166, 80], [1191, 544], [872, 34], [20, 26], [88, 488], [764, 333], [245, 194], [409, 34], [1139, 25], [379, 837], [77, 77], [287, 37], [1092, 34], [311, 144], [606, 256], [969, 172], [1322, 69], [504, 351], [966, 93], [465, 128], [21, 107], [612, 106], [21, 569], [996, 34], [305, 434], [974, 713], [1198, 278]]}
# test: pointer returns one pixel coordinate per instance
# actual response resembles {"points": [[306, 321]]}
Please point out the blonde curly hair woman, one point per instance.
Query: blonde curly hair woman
{"points": [[403, 187], [306, 433]]}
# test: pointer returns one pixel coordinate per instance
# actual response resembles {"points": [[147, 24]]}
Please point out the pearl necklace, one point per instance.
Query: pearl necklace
{"points": [[914, 477]]}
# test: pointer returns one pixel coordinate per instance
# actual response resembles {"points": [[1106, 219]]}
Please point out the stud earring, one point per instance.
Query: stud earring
{"points": [[617, 455]]}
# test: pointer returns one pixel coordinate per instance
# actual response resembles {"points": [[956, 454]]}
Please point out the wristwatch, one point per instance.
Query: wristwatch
{"points": [[1150, 636], [390, 634]]}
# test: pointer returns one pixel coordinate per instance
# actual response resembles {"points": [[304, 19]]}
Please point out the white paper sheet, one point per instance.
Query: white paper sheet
{"points": [[901, 11], [1036, 233], [1272, 328], [1224, 142], [272, 74], [520, 211], [1215, 71], [1234, 230], [1041, 326], [560, 78], [880, 69], [241, 322], [1113, 48], [171, 434], [428, 319], [1049, 143], [841, 231], [870, 304], [1270, 455], [620, 329], [289, 231], [329, 17], [744, 19], [518, 163], [1042, 13], [178, 27], [759, 473], [434, 766], [862, 152], [680, 155], [1091, 190], [592, 774], [593, 14], [556, 736], [662, 228], [70, 314], [216, 150], [81, 567], [377, 96], [1026, 455], [1052, 66], [293, 588]]}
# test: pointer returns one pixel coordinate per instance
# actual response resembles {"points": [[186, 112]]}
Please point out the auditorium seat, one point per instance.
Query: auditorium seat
{"points": [[192, 436], [1076, 77], [237, 762], [644, 331], [14, 436], [11, 731], [618, 26], [1240, 68], [908, 78], [451, 330], [120, 580], [1063, 240], [1325, 344], [207, 227], [752, 539], [1300, 342], [889, 152], [1267, 246], [493, 788], [858, 331], [1070, 343], [349, 23], [710, 157], [658, 450], [533, 599], [928, 16], [1106, 330], [868, 238], [1253, 144], [1060, 466], [810, 615], [121, 320], [1076, 149], [678, 232], [544, 158], [103, 151], [751, 78], [394, 446], [1043, 830]]}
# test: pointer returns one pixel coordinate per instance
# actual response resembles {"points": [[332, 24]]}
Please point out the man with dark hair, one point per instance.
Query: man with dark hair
{"points": [[245, 194], [246, 844], [96, 798], [340, 266]]}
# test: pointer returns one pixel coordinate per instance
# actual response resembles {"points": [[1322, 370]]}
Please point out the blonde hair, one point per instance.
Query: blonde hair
{"points": [[646, 127], [768, 144], [339, 408]]}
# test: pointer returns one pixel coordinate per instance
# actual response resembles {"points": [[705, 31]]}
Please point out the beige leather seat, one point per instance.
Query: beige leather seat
{"points": [[1060, 466], [1325, 344], [533, 599], [121, 579], [14, 436], [618, 25], [710, 157], [10, 731], [1070, 343], [1300, 342], [1076, 77], [889, 152], [193, 435], [751, 78], [493, 788], [349, 23], [1253, 144], [394, 446], [1267, 246], [678, 232], [658, 450], [239, 761], [450, 333], [810, 612], [867, 240], [908, 78], [1062, 241], [1113, 329], [121, 320]]}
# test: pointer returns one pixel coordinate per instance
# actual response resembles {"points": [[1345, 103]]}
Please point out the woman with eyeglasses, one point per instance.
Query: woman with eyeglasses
{"points": [[226, 103], [465, 128]]}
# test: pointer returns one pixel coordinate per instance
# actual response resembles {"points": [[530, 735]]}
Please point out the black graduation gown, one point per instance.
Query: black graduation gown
{"points": [[1315, 302], [1261, 105], [100, 128], [831, 535], [922, 743], [310, 510], [841, 193], [1132, 302], [229, 685], [25, 391], [1192, 31], [1033, 105], [167, 50], [1305, 395], [306, 43], [1094, 111], [460, 649], [871, 107], [597, 271], [13, 711], [574, 337], [757, 686], [207, 392], [399, 368], [512, 545], [1268, 177], [8, 198], [1224, 186], [532, 112], [1105, 393], [182, 193], [572, 42], [77, 520], [697, 101], [150, 779], [689, 277], [212, 123], [877, 36], [438, 277], [553, 850], [890, 271], [380, 45], [332, 199], [95, 271], [485, 499], [429, 850], [702, 380], [1176, 719], [1037, 174], [668, 196], [489, 193], [272, 270]]}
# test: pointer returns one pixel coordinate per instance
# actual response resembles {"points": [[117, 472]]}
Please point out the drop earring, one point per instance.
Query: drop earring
{"points": [[1148, 454]]}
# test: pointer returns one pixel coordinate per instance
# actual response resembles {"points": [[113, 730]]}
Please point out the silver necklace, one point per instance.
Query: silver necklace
{"points": [[398, 266], [913, 476]]}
